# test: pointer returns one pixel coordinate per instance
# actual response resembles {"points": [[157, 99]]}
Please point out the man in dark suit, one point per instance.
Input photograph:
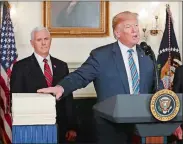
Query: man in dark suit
{"points": [[117, 68], [178, 88], [178, 80], [41, 70]]}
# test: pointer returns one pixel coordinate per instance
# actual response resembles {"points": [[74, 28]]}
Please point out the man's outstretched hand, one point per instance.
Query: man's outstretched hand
{"points": [[57, 91]]}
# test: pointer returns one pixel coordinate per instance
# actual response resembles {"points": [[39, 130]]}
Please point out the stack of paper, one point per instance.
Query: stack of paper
{"points": [[33, 109]]}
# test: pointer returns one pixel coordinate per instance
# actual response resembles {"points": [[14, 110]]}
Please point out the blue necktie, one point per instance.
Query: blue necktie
{"points": [[134, 73]]}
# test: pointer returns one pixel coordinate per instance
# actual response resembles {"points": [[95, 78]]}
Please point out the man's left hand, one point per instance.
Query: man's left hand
{"points": [[71, 135]]}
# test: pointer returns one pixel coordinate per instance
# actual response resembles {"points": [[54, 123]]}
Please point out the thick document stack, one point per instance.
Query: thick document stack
{"points": [[30, 109], [34, 118]]}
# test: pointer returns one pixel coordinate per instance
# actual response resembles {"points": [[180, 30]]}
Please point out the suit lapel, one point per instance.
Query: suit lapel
{"points": [[120, 66], [55, 72], [141, 60], [36, 72]]}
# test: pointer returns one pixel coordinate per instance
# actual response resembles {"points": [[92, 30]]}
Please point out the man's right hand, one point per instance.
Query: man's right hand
{"points": [[57, 91]]}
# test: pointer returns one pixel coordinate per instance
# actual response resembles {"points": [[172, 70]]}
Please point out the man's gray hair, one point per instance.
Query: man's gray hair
{"points": [[36, 29]]}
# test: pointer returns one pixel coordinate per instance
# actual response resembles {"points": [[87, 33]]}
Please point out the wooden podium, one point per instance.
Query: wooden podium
{"points": [[33, 118]]}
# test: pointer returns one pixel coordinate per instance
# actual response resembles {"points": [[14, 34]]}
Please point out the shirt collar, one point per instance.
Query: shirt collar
{"points": [[124, 48], [40, 58]]}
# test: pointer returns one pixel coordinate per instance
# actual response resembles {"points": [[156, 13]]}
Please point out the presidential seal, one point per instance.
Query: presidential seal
{"points": [[164, 105]]}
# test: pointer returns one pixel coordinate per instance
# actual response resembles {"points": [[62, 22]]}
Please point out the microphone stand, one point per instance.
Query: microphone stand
{"points": [[148, 51], [156, 70]]}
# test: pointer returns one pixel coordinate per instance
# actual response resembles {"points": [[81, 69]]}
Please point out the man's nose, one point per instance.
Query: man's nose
{"points": [[134, 29], [43, 42]]}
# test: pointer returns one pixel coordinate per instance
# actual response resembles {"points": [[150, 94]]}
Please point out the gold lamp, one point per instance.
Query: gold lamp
{"points": [[154, 31]]}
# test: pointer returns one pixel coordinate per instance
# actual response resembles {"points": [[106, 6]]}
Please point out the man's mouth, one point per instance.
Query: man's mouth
{"points": [[135, 36]]}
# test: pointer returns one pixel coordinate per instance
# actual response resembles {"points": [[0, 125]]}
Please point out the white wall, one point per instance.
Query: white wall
{"points": [[76, 50]]}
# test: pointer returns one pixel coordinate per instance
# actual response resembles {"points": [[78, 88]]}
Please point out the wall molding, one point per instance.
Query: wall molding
{"points": [[74, 65], [87, 92], [84, 95]]}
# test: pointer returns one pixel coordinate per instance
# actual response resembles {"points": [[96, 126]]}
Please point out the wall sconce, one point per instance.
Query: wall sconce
{"points": [[150, 20], [153, 31]]}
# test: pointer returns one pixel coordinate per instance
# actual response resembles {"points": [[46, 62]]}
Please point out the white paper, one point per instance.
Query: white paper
{"points": [[33, 108]]}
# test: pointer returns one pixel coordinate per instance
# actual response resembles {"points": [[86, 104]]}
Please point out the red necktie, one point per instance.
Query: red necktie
{"points": [[47, 73]]}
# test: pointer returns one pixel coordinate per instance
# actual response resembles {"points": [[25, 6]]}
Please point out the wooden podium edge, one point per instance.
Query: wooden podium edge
{"points": [[155, 140]]}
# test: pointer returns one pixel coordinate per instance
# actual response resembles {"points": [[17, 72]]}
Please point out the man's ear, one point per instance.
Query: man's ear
{"points": [[117, 33], [32, 43]]}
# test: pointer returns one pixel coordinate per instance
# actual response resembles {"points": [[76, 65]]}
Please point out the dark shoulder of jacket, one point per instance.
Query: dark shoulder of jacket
{"points": [[22, 62], [59, 62], [102, 52], [180, 68]]}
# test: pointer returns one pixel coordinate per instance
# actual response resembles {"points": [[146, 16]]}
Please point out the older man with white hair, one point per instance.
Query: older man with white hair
{"points": [[41, 70]]}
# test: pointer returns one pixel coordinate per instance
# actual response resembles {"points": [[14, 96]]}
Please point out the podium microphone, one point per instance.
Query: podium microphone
{"points": [[148, 51]]}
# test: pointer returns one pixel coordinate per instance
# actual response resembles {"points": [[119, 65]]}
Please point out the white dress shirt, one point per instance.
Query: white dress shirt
{"points": [[41, 63], [124, 50]]}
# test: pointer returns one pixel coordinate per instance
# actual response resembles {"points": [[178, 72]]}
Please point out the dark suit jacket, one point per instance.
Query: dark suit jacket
{"points": [[105, 67], [27, 77], [177, 88], [178, 80]]}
